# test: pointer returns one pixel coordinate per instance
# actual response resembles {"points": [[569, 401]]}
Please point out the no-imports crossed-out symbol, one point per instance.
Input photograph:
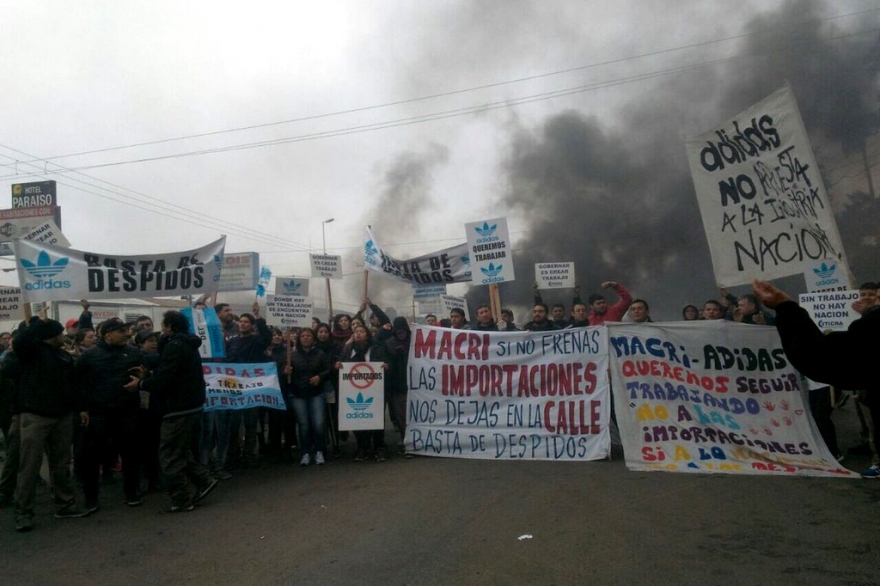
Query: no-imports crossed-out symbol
{"points": [[361, 382]]}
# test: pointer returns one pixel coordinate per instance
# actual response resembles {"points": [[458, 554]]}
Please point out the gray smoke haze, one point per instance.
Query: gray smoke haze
{"points": [[618, 198], [405, 188]]}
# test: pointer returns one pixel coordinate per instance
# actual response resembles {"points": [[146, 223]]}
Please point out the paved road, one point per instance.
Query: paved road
{"points": [[432, 521]]}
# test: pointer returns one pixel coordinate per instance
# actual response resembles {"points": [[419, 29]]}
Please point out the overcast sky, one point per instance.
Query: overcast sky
{"points": [[432, 109]]}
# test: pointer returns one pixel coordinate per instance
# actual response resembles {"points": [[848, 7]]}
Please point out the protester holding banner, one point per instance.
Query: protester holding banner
{"points": [[149, 415], [250, 346], [378, 319], [599, 310], [398, 357], [484, 323], [324, 343], [282, 424], [457, 319], [748, 311], [177, 387], [46, 398], [310, 369], [639, 312], [341, 331], [557, 312], [539, 322], [713, 309], [507, 324], [690, 313], [363, 349], [102, 373]]}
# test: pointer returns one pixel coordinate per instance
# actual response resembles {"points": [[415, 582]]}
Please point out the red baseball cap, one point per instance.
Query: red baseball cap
{"points": [[71, 323]]}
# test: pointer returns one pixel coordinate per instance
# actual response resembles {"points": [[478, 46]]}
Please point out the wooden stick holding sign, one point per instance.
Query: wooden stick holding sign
{"points": [[289, 354], [495, 302]]}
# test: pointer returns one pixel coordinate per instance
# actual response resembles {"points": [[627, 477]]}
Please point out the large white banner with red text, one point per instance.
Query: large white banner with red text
{"points": [[712, 396], [509, 395]]}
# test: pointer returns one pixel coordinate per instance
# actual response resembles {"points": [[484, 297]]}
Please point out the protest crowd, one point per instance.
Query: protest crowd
{"points": [[116, 399]]}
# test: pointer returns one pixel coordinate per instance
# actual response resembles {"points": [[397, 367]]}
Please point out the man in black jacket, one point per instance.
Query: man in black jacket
{"points": [[178, 387], [45, 401], [249, 347], [102, 373]]}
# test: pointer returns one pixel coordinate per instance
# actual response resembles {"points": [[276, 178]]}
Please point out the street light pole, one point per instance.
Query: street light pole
{"points": [[324, 245]]}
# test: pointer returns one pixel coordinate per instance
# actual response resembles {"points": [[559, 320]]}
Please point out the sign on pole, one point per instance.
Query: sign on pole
{"points": [[33, 195], [555, 275], [490, 251], [825, 275], [763, 202], [326, 266], [290, 311], [450, 265], [291, 286], [240, 271], [11, 306], [450, 302]]}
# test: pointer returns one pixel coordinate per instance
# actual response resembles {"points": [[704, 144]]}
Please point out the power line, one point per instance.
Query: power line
{"points": [[439, 115], [189, 216], [458, 91]]}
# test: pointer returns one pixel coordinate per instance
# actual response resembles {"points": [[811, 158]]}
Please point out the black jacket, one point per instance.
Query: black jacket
{"points": [[250, 349], [45, 378], [843, 359], [102, 372], [178, 383], [305, 366]]}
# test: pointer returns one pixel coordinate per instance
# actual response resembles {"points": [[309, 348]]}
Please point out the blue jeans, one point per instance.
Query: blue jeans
{"points": [[311, 417], [215, 431]]}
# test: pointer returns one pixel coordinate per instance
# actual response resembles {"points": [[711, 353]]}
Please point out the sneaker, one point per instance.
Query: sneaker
{"points": [[134, 502], [24, 524], [71, 511], [222, 475], [319, 458], [179, 508], [360, 457], [306, 460], [380, 455], [871, 472], [205, 490]]}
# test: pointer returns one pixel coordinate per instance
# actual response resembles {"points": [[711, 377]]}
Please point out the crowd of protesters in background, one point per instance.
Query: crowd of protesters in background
{"points": [[123, 398]]}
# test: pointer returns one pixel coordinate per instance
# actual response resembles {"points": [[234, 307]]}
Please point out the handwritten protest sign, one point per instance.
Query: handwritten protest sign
{"points": [[712, 396], [450, 265], [361, 396], [53, 273], [763, 203], [289, 311], [490, 251], [508, 395], [450, 302], [554, 275], [11, 307], [241, 386], [326, 266]]}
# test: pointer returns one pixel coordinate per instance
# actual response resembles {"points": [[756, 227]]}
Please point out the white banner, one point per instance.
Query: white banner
{"points": [[450, 265], [361, 396], [509, 395], [490, 251], [291, 286], [53, 273], [763, 203], [289, 311], [712, 396], [326, 266], [554, 275], [242, 386], [11, 307]]}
